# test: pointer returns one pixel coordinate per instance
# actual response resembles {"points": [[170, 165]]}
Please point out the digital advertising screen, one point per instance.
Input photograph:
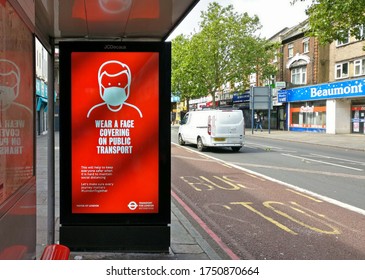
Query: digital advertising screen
{"points": [[112, 131]]}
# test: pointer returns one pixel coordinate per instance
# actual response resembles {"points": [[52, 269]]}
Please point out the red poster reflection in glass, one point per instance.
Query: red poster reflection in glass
{"points": [[112, 10], [114, 104], [16, 123]]}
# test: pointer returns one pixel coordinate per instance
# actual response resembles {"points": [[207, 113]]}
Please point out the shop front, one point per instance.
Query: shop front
{"points": [[226, 103], [41, 106], [199, 103], [332, 108], [241, 101], [308, 116]]}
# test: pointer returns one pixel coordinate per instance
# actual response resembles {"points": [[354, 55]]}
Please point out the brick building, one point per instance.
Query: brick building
{"points": [[325, 86]]}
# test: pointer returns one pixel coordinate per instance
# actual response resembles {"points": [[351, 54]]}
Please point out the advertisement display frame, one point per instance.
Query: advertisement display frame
{"points": [[98, 230]]}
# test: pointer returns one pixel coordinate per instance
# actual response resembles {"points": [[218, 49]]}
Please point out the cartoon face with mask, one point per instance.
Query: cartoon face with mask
{"points": [[9, 83], [114, 79]]}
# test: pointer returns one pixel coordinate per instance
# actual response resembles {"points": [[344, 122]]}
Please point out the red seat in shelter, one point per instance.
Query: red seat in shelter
{"points": [[56, 252]]}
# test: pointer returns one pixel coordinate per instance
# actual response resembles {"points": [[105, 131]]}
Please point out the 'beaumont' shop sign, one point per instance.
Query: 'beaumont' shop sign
{"points": [[341, 89]]}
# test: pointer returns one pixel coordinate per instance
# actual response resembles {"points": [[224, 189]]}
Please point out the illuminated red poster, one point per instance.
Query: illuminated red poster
{"points": [[115, 116]]}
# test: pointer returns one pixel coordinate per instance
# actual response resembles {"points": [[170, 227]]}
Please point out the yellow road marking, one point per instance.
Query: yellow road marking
{"points": [[235, 188], [228, 181], [306, 196], [268, 204], [271, 220]]}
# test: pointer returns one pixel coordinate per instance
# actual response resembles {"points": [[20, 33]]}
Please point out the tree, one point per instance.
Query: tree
{"points": [[227, 48], [181, 84], [224, 51], [185, 64], [332, 20]]}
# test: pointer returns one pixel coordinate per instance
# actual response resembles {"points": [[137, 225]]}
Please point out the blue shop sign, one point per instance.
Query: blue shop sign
{"points": [[282, 96], [240, 98], [38, 87], [45, 90], [341, 89], [41, 88]]}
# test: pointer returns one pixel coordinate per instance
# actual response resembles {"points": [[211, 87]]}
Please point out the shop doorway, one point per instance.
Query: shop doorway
{"points": [[282, 118], [358, 119]]}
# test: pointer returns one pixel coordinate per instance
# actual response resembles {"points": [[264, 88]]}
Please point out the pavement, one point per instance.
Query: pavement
{"points": [[186, 241], [344, 141]]}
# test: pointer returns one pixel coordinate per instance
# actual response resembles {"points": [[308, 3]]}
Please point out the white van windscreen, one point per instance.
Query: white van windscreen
{"points": [[229, 118]]}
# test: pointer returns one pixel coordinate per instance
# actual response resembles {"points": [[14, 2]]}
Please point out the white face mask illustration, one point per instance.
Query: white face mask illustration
{"points": [[114, 96], [9, 82], [7, 95], [114, 78]]}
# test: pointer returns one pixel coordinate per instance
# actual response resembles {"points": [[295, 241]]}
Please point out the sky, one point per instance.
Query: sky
{"points": [[274, 15]]}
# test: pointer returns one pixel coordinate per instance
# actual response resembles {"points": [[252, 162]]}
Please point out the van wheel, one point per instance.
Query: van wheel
{"points": [[200, 144], [180, 140], [236, 149]]}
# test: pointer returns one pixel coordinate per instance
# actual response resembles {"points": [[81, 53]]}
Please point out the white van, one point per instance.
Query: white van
{"points": [[213, 128]]}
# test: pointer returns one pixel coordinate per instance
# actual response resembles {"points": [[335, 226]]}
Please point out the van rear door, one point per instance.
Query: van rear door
{"points": [[227, 124]]}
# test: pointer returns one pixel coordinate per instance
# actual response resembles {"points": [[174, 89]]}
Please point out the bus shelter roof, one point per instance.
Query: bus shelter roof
{"points": [[124, 20]]}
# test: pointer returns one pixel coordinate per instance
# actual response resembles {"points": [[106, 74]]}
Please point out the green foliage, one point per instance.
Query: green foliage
{"points": [[332, 20], [225, 50]]}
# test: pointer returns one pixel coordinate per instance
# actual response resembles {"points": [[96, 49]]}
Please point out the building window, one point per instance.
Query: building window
{"points": [[342, 70], [299, 76], [306, 45], [359, 66], [344, 42], [361, 31], [290, 50], [275, 58]]}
